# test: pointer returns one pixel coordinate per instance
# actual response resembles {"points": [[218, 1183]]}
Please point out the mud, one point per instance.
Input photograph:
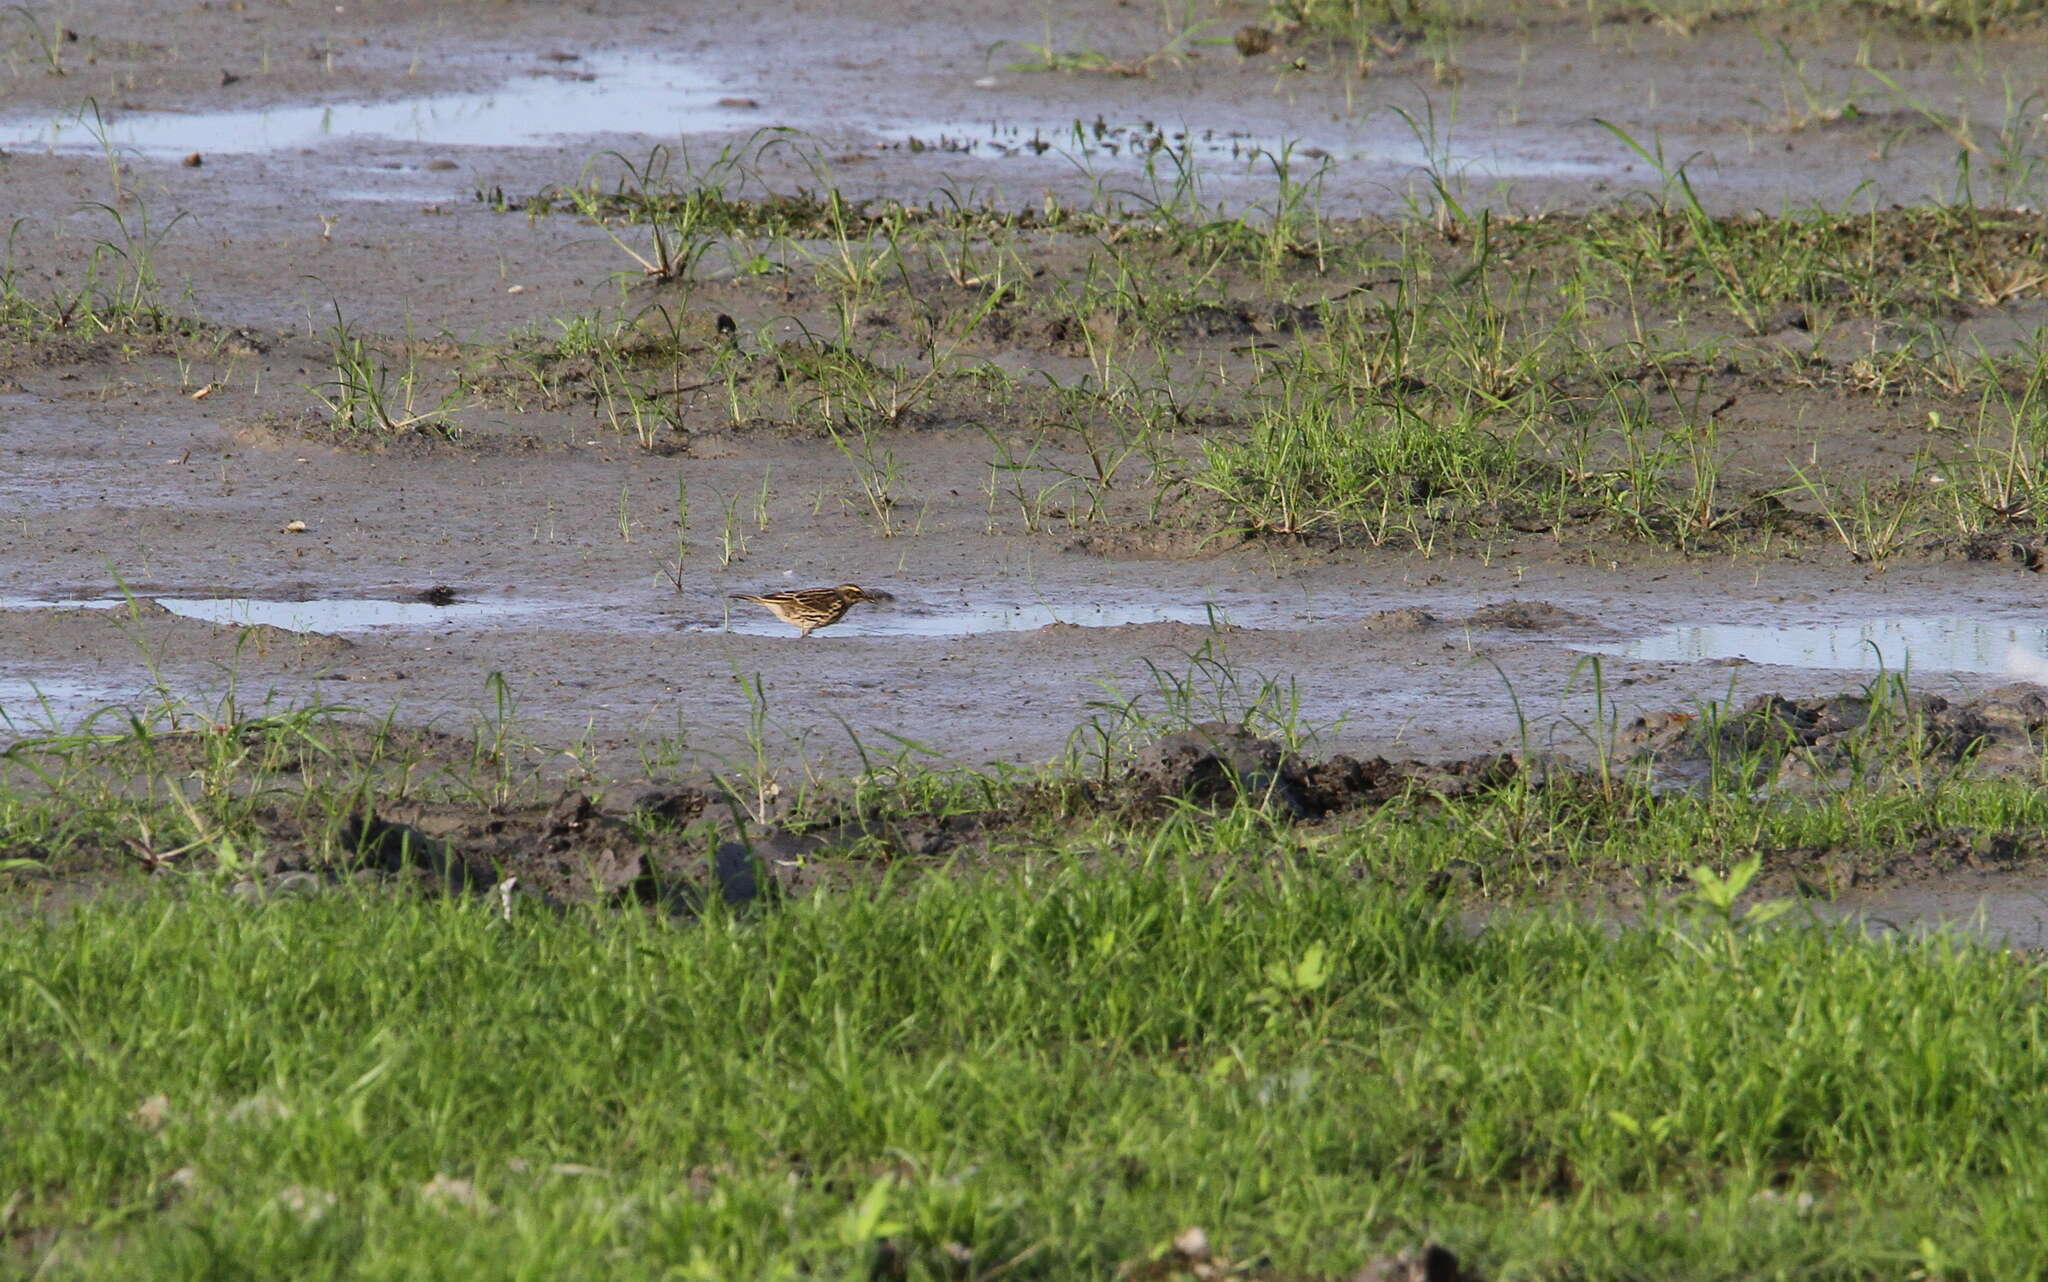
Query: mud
{"points": [[1879, 732], [172, 525], [671, 845]]}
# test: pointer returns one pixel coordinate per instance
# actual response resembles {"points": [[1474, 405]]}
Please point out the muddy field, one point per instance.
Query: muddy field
{"points": [[356, 358]]}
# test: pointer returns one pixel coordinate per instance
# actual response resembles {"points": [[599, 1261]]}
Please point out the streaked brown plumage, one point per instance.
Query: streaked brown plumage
{"points": [[808, 609]]}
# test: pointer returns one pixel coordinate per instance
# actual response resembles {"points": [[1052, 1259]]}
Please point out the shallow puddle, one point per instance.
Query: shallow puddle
{"points": [[660, 97], [598, 95], [48, 705], [929, 621], [1176, 150], [1924, 645], [56, 603], [898, 618], [334, 614]]}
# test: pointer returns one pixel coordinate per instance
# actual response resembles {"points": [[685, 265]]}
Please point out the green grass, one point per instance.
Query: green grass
{"points": [[1104, 1026], [365, 400], [1380, 473], [216, 791], [1057, 1072], [115, 291]]}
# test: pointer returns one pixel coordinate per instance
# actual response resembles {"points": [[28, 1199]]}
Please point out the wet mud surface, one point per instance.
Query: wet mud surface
{"points": [[174, 524]]}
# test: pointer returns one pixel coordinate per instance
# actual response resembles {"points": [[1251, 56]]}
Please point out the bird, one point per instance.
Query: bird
{"points": [[808, 609]]}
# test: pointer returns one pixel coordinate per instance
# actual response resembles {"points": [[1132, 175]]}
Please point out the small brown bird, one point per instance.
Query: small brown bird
{"points": [[808, 609]]}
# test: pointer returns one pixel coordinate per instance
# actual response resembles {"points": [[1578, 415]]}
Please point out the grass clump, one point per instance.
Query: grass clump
{"points": [[365, 400], [115, 291], [1315, 471]]}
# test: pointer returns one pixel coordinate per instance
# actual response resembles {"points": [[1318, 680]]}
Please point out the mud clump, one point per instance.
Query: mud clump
{"points": [[1935, 854], [1528, 616], [1345, 783], [1793, 741], [2029, 552], [1156, 543], [569, 852], [266, 637], [678, 800], [167, 633], [1405, 621], [403, 849], [1216, 763]]}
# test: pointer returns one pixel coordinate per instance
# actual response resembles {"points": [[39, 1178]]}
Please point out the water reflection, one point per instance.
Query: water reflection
{"points": [[601, 95]]}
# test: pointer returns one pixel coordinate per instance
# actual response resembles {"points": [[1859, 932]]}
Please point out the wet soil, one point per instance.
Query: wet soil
{"points": [[674, 844], [180, 467]]}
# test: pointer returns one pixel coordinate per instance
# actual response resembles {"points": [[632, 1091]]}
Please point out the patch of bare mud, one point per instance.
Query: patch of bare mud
{"points": [[145, 627], [277, 429], [1156, 544], [1532, 616], [1408, 620], [2023, 551]]}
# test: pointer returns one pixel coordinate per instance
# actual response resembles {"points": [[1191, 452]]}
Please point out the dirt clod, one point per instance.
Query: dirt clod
{"points": [[1527, 616], [1407, 619], [1807, 741], [402, 849], [573, 850], [678, 801], [1212, 763], [1216, 763], [2028, 551]]}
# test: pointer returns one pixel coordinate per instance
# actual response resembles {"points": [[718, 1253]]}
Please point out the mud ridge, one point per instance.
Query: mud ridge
{"points": [[1879, 731]]}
